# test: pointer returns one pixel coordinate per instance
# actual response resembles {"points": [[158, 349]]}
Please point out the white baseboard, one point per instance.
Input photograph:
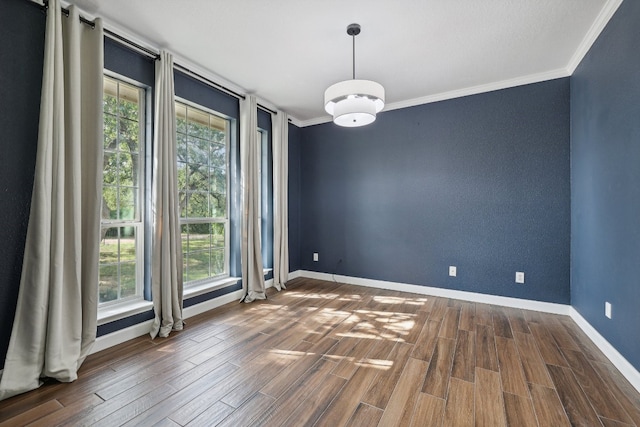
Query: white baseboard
{"points": [[547, 307], [623, 365], [140, 329], [294, 274]]}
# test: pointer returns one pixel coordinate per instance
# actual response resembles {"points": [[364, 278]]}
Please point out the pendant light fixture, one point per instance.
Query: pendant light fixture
{"points": [[354, 102]]}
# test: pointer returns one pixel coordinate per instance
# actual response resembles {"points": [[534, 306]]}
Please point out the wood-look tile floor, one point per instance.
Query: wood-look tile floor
{"points": [[327, 354]]}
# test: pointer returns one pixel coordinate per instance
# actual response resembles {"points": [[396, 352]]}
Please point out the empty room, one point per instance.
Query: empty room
{"points": [[338, 213]]}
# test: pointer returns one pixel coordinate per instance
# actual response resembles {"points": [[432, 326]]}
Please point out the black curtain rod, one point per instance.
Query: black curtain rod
{"points": [[84, 20], [225, 89], [267, 110], [45, 6], [207, 81], [125, 41], [156, 56]]}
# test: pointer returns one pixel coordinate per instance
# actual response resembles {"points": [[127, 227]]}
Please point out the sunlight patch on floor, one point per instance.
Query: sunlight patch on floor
{"points": [[379, 364]]}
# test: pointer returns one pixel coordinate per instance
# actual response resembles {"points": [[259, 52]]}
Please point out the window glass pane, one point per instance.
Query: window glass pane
{"points": [[218, 124], [197, 205], [108, 284], [217, 235], [120, 260], [217, 262], [129, 100], [127, 169], [198, 178], [110, 172], [109, 202], [182, 147], [198, 253], [202, 182], [197, 123], [203, 246], [182, 200], [127, 244], [128, 279], [109, 257], [110, 98], [218, 156], [110, 131], [198, 151], [126, 208], [109, 248], [217, 180], [184, 230], [129, 131], [181, 118], [217, 205]]}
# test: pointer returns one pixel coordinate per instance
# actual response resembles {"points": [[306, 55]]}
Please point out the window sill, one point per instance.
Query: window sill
{"points": [[120, 311], [195, 290]]}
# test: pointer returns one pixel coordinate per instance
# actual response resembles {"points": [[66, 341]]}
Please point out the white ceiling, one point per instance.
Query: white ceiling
{"points": [[288, 52]]}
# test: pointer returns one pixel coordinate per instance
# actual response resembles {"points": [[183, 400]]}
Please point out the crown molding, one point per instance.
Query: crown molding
{"points": [[610, 7], [474, 90], [295, 121], [316, 121]]}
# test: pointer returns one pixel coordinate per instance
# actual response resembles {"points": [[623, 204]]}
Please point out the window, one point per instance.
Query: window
{"points": [[263, 193], [202, 151], [122, 231]]}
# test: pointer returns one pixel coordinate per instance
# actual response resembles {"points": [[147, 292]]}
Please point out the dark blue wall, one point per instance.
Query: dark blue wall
{"points": [[480, 182], [21, 57], [294, 197], [605, 175]]}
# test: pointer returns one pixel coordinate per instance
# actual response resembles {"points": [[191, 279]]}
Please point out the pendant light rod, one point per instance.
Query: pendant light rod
{"points": [[353, 30], [354, 56]]}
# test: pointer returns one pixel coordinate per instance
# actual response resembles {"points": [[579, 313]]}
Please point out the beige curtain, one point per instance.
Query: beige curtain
{"points": [[280, 200], [55, 321], [166, 268], [252, 274]]}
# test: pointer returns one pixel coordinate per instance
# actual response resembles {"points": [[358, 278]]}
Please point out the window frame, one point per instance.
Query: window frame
{"points": [[204, 283], [263, 202], [140, 224]]}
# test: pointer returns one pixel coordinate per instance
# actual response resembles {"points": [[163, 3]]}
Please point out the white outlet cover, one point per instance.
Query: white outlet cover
{"points": [[519, 277], [607, 309], [453, 271], [315, 256]]}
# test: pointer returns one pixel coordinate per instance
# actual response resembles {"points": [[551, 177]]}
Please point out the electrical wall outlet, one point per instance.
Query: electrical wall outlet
{"points": [[519, 277], [453, 270], [607, 309], [315, 256]]}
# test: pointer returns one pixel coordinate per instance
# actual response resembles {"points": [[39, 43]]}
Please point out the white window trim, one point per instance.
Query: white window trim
{"points": [[210, 286], [124, 309], [199, 287], [119, 309]]}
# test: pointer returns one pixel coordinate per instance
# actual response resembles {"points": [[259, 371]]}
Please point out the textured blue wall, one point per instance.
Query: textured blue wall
{"points": [[605, 175], [294, 197], [480, 182], [21, 57]]}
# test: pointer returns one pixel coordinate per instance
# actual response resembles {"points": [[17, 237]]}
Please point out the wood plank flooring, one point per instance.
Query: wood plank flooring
{"points": [[329, 354]]}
